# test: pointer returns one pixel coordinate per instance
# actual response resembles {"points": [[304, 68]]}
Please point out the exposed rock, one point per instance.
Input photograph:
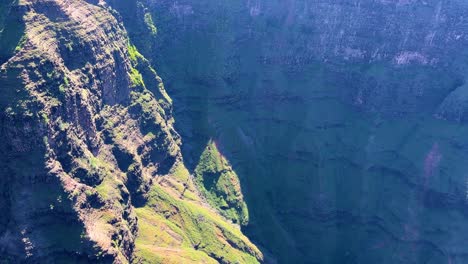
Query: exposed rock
{"points": [[87, 137]]}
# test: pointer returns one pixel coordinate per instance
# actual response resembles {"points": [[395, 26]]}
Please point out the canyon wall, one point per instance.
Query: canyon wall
{"points": [[345, 120]]}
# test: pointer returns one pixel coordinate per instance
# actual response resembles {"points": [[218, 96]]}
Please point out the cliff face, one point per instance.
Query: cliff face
{"points": [[408, 41], [344, 120], [341, 125], [91, 168]]}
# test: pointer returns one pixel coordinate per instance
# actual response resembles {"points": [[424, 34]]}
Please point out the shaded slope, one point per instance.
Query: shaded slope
{"points": [[333, 116]]}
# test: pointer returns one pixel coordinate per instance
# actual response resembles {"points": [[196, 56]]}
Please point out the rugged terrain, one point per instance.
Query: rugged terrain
{"points": [[91, 168], [345, 120], [325, 131]]}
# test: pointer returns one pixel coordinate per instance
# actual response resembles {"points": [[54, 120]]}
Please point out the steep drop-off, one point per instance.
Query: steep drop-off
{"points": [[340, 125], [91, 168], [345, 120]]}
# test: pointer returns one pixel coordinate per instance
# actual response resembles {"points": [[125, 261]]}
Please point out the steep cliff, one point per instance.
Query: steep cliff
{"points": [[340, 125], [345, 120], [91, 168]]}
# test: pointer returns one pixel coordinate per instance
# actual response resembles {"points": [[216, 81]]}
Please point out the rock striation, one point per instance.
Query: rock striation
{"points": [[91, 168], [345, 120]]}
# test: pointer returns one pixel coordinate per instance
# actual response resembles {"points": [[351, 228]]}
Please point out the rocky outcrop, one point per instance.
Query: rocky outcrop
{"points": [[88, 145], [221, 185]]}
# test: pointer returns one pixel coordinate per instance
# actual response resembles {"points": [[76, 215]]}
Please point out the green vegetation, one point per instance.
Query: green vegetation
{"points": [[52, 74], [64, 86], [63, 126], [134, 54], [149, 23], [91, 170], [150, 112], [62, 89], [66, 81], [102, 154], [135, 78], [195, 231], [21, 43], [44, 117], [109, 188], [220, 185], [142, 72], [149, 136]]}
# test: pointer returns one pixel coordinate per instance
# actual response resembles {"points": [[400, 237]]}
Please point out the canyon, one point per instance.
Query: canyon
{"points": [[181, 131]]}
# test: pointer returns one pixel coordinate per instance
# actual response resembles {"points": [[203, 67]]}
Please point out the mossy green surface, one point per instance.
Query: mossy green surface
{"points": [[134, 54], [197, 232], [150, 24], [136, 78], [220, 185]]}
